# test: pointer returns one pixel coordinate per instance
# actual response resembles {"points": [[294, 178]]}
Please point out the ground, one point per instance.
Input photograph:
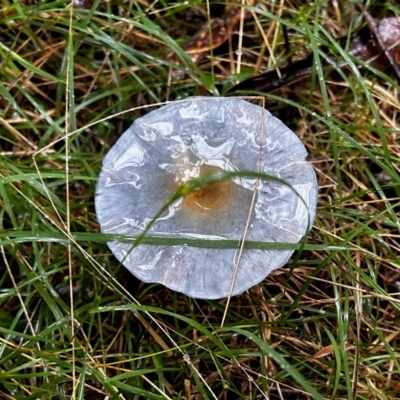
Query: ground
{"points": [[75, 323]]}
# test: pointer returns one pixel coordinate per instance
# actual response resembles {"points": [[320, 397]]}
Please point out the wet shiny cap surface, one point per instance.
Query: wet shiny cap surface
{"points": [[187, 139]]}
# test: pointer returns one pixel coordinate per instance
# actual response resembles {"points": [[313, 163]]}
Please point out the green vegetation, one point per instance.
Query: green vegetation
{"points": [[75, 324]]}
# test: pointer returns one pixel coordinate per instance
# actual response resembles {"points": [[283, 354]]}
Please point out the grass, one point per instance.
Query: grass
{"points": [[75, 324]]}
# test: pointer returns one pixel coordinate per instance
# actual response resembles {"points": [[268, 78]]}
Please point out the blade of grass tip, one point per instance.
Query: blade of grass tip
{"points": [[358, 317], [338, 359], [27, 65], [8, 206], [343, 322], [7, 96]]}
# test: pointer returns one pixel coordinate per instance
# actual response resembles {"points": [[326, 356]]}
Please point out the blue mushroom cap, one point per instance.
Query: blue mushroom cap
{"points": [[184, 140]]}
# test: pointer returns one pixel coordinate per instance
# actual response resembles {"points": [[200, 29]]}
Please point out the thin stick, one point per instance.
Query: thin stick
{"points": [[253, 200], [70, 97], [240, 43]]}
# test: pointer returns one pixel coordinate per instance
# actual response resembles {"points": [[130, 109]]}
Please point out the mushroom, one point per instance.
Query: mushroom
{"points": [[184, 140]]}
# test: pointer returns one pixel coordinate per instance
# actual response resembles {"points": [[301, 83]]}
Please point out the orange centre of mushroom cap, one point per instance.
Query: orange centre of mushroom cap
{"points": [[212, 197]]}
